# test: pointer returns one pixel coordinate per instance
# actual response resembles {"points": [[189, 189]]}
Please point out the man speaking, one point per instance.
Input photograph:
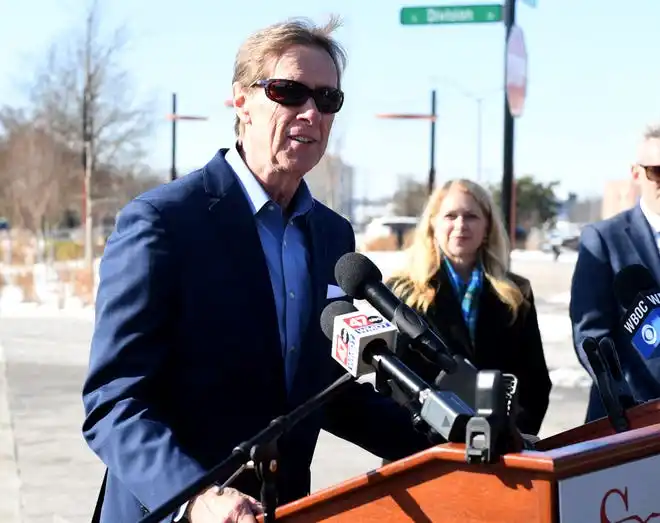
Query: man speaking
{"points": [[606, 248], [211, 290]]}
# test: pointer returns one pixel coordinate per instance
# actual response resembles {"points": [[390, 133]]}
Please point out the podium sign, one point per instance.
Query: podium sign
{"points": [[627, 492]]}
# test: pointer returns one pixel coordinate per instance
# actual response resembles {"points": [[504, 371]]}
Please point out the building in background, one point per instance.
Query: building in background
{"points": [[618, 196], [576, 210], [331, 182], [586, 210]]}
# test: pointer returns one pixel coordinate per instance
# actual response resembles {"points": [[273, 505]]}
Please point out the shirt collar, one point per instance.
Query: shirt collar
{"points": [[652, 218], [256, 194]]}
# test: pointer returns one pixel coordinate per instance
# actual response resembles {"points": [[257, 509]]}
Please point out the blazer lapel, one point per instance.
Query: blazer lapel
{"points": [[237, 233], [643, 239]]}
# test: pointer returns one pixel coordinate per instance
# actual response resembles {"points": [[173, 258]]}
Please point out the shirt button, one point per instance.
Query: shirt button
{"points": [[292, 295], [284, 243], [293, 348], [270, 207]]}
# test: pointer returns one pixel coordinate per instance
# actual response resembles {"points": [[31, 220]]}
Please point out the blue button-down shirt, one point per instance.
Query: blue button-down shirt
{"points": [[287, 256]]}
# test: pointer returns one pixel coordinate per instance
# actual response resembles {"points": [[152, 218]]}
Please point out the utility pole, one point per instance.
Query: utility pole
{"points": [[432, 116], [433, 119], [174, 116], [174, 119], [88, 149], [479, 138]]}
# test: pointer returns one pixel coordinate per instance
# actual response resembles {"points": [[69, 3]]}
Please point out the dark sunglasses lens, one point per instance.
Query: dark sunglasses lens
{"points": [[653, 173], [329, 100], [294, 94], [287, 93]]}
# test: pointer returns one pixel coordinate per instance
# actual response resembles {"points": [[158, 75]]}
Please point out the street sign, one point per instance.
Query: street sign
{"points": [[516, 71], [451, 14]]}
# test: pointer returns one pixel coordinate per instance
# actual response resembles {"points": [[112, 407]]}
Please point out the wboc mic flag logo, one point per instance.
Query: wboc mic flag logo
{"points": [[647, 337], [649, 334]]}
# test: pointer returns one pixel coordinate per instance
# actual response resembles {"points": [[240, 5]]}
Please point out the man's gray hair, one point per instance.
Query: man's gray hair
{"points": [[253, 55], [652, 132]]}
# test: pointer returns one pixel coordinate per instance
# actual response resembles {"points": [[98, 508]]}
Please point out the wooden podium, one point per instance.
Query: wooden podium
{"points": [[578, 476]]}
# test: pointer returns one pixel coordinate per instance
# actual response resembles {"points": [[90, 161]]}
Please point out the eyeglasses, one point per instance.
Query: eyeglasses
{"points": [[652, 172], [290, 93]]}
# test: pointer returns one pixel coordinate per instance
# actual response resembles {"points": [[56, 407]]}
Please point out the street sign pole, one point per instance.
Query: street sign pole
{"points": [[508, 152], [515, 72]]}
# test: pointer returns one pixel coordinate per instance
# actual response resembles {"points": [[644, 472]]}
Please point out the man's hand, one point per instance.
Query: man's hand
{"points": [[223, 506]]}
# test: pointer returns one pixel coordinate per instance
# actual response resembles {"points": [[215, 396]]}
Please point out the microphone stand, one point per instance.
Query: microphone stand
{"points": [[258, 452], [492, 431]]}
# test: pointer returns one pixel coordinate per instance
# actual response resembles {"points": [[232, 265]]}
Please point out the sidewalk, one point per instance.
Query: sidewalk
{"points": [[9, 478]]}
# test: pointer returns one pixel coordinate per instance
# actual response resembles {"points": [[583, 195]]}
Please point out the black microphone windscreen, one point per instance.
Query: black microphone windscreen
{"points": [[332, 310], [630, 281], [353, 270]]}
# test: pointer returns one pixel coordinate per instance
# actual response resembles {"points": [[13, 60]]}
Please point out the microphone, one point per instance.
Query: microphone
{"points": [[360, 343], [632, 280], [638, 292], [613, 407], [354, 331], [359, 277], [619, 382]]}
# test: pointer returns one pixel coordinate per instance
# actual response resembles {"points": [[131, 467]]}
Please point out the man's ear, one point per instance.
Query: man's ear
{"points": [[240, 103]]}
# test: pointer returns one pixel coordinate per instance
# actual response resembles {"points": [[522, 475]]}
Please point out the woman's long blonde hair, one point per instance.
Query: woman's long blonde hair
{"points": [[424, 256]]}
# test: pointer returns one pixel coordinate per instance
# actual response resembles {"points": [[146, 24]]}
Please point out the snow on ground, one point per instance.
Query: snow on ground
{"points": [[58, 301]]}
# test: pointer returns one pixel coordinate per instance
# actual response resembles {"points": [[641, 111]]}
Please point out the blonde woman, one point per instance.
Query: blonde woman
{"points": [[456, 277]]}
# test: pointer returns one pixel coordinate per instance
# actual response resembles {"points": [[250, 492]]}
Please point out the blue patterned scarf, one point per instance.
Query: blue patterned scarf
{"points": [[468, 294]]}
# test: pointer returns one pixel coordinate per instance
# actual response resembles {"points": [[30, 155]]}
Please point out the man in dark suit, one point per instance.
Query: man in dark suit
{"points": [[211, 289], [630, 237]]}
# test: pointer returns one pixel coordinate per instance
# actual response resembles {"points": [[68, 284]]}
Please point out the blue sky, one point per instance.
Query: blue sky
{"points": [[594, 81]]}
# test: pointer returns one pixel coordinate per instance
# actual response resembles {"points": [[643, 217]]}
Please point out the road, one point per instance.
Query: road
{"points": [[48, 475]]}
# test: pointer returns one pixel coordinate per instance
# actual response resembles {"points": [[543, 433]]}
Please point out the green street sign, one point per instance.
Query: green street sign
{"points": [[451, 14]]}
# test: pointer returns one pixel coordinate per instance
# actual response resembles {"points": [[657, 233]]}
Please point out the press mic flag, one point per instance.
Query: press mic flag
{"points": [[352, 332]]}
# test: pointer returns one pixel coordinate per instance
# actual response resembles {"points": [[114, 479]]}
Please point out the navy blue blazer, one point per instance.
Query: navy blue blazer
{"points": [[186, 361], [605, 248]]}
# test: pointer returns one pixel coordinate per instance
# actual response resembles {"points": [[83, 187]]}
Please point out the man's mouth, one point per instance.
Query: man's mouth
{"points": [[302, 139]]}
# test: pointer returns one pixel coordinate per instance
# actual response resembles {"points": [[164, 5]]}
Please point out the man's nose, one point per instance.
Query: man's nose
{"points": [[310, 112]]}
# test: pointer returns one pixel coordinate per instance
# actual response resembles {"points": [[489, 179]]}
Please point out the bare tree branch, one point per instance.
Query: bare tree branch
{"points": [[35, 167], [41, 146], [120, 123]]}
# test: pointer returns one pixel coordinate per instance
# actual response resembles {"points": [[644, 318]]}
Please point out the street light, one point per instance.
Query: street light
{"points": [[174, 117], [478, 98], [432, 117]]}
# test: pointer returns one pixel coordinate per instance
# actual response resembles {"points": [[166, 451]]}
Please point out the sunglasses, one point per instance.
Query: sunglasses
{"points": [[652, 172], [290, 93]]}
